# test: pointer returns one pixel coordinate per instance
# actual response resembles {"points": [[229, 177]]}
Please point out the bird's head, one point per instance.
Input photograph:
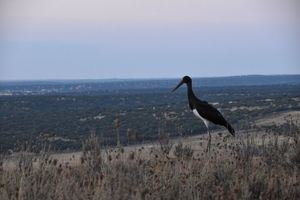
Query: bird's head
{"points": [[185, 79]]}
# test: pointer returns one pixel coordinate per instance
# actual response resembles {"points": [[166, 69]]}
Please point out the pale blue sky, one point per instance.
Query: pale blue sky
{"points": [[43, 39]]}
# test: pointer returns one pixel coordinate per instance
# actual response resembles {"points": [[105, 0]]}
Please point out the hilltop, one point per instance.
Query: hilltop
{"points": [[256, 164]]}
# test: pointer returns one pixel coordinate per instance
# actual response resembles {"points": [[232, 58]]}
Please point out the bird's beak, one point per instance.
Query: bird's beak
{"points": [[179, 84]]}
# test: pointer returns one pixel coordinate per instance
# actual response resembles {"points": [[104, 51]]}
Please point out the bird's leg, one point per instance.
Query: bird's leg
{"points": [[209, 141]]}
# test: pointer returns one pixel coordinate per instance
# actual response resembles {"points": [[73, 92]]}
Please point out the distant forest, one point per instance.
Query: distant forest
{"points": [[65, 113], [115, 85]]}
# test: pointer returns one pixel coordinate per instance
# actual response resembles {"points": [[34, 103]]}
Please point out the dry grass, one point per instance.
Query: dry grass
{"points": [[239, 168]]}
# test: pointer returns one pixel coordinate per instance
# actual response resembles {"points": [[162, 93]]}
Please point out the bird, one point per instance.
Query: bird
{"points": [[203, 110]]}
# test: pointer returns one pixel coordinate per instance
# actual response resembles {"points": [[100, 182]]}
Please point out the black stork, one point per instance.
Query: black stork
{"points": [[201, 109]]}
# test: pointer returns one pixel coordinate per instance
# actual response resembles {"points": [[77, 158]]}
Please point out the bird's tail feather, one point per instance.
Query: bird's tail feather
{"points": [[230, 129]]}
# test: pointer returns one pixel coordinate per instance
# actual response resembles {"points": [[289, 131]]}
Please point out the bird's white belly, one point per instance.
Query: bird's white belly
{"points": [[206, 122]]}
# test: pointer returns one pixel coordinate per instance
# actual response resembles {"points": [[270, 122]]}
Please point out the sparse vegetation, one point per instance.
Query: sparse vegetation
{"points": [[250, 166], [181, 151]]}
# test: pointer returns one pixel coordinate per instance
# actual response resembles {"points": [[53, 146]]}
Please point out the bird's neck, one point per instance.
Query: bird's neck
{"points": [[190, 90]]}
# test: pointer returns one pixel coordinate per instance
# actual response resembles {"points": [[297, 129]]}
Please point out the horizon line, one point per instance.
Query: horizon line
{"points": [[144, 78]]}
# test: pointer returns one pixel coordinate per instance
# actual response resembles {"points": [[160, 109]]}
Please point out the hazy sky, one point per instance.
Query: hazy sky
{"points": [[57, 39]]}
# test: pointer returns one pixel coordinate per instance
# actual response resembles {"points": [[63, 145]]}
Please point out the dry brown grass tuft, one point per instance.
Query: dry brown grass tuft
{"points": [[241, 168]]}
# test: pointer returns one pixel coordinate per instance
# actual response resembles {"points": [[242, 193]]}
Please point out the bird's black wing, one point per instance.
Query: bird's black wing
{"points": [[210, 113]]}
